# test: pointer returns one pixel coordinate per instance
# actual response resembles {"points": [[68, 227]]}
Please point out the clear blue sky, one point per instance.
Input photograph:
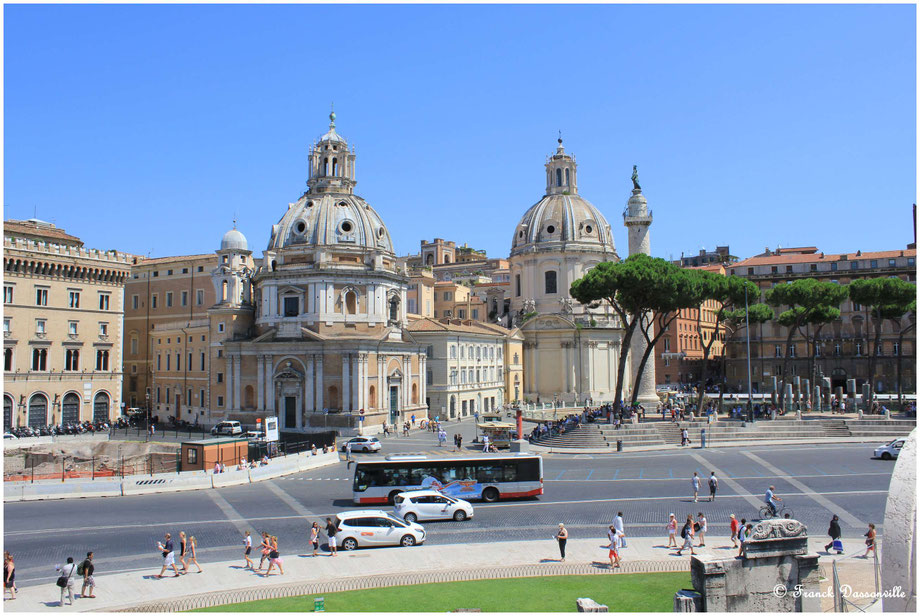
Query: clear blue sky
{"points": [[145, 128]]}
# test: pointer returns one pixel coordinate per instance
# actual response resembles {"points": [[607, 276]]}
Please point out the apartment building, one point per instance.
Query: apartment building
{"points": [[63, 310], [844, 345], [167, 342]]}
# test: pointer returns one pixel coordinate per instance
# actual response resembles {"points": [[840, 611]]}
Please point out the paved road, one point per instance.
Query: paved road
{"points": [[583, 491]]}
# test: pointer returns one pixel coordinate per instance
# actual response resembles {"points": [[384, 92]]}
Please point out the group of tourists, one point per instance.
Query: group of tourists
{"points": [[188, 554], [67, 573]]}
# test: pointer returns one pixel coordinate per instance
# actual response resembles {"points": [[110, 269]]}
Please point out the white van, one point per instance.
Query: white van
{"points": [[890, 450], [231, 428]]}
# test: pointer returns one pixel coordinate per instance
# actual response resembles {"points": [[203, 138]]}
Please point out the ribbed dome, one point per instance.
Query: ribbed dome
{"points": [[234, 240], [331, 220], [560, 221]]}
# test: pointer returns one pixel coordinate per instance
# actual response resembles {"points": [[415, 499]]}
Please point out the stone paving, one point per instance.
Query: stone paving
{"points": [[229, 582]]}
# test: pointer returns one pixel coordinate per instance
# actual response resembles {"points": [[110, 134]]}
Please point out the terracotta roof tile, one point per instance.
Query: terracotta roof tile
{"points": [[30, 229], [791, 259]]}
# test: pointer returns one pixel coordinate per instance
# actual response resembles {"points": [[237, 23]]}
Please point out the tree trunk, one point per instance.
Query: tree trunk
{"points": [[873, 358], [649, 349], [624, 353], [903, 331], [704, 369]]}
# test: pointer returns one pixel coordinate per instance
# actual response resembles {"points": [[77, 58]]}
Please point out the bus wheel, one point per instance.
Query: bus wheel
{"points": [[490, 495], [391, 499]]}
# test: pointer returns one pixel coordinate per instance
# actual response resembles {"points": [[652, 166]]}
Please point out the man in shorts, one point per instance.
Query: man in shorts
{"points": [[87, 568], [169, 557], [331, 530]]}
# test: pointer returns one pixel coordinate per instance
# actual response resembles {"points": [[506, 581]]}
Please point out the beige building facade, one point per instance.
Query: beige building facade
{"points": [[468, 367], [62, 327]]}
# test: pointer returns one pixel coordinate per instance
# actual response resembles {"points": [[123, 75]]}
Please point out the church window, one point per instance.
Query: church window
{"points": [[300, 227], [351, 303], [326, 166], [346, 227], [550, 280], [223, 290], [291, 306], [517, 285], [558, 177], [335, 166], [394, 309], [588, 229], [309, 204], [566, 177]]}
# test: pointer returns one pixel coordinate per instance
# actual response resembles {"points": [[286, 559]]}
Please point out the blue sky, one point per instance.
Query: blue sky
{"points": [[147, 128]]}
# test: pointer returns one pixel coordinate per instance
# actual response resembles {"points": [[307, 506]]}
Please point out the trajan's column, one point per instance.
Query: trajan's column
{"points": [[637, 218]]}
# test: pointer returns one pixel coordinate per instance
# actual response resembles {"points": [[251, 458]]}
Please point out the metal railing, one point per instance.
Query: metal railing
{"points": [[842, 594]]}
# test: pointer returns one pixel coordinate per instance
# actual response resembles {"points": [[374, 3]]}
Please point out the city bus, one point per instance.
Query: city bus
{"points": [[486, 477]]}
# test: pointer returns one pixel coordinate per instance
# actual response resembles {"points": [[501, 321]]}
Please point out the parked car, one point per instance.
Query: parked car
{"points": [[371, 527], [890, 451], [231, 428], [10, 436], [362, 443], [430, 505]]}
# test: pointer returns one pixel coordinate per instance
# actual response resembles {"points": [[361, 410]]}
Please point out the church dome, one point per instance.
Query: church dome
{"points": [[562, 220], [329, 213], [338, 220], [234, 240]]}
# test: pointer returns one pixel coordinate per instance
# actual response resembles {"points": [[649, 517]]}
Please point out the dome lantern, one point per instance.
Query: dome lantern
{"points": [[332, 164], [560, 172]]}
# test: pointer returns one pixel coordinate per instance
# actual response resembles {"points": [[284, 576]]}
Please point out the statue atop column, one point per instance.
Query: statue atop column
{"points": [[635, 178]]}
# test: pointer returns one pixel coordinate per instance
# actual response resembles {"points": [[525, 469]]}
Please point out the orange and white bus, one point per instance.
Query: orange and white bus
{"points": [[486, 477]]}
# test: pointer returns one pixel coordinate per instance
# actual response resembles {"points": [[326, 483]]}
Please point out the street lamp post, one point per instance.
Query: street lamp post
{"points": [[747, 332], [147, 408]]}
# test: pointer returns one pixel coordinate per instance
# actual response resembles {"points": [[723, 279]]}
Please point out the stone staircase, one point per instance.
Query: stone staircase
{"points": [[605, 436]]}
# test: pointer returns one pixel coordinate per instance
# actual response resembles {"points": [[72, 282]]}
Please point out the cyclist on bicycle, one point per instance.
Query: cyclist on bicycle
{"points": [[772, 499]]}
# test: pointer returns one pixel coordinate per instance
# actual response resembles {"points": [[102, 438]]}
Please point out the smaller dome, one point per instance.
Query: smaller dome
{"points": [[234, 240]]}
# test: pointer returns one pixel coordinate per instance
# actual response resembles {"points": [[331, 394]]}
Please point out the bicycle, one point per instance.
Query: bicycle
{"points": [[766, 513]]}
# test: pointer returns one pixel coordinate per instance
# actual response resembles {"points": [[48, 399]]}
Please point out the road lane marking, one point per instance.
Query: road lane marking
{"points": [[734, 485], [672, 478], [833, 508], [289, 500], [591, 472], [232, 515]]}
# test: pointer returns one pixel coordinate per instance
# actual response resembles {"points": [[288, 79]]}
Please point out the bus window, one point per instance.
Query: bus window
{"points": [[510, 472]]}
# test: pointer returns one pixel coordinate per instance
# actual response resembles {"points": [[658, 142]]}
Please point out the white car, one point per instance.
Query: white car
{"points": [[227, 427], [890, 451], [373, 527], [430, 505], [8, 435], [363, 443]]}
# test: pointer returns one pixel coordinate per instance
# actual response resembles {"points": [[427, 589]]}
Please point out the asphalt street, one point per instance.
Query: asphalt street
{"points": [[584, 491]]}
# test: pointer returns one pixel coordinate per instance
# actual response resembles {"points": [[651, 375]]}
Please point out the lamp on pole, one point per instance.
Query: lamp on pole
{"points": [[147, 408], [747, 332]]}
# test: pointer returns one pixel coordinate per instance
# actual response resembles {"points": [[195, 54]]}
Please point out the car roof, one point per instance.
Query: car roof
{"points": [[361, 513], [423, 493]]}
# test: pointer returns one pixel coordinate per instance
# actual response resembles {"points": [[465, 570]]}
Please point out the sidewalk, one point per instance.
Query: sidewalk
{"points": [[228, 582]]}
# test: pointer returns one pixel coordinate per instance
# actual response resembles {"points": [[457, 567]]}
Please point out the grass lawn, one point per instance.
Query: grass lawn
{"points": [[637, 592]]}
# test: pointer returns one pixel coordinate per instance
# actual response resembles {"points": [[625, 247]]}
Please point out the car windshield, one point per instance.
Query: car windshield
{"points": [[396, 522], [892, 442]]}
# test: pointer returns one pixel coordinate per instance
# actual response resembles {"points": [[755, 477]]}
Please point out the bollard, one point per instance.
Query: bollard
{"points": [[619, 445], [703, 438]]}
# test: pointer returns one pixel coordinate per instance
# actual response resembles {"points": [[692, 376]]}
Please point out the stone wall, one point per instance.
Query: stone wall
{"points": [[899, 543]]}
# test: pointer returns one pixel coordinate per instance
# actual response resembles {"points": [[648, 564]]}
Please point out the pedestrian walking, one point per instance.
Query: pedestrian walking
{"points": [[413, 420], [742, 535], [169, 556], [613, 553], [65, 580], [618, 525], [485, 444], [193, 552], [834, 531], [733, 527], [183, 548], [9, 575], [265, 547], [870, 541], [331, 530], [701, 521], [247, 550], [695, 483], [686, 533], [86, 569], [672, 531], [562, 536], [459, 442], [274, 557], [386, 429], [684, 437], [713, 486], [314, 537]]}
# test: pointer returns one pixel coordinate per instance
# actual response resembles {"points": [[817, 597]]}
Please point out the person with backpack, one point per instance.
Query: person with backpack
{"points": [[713, 486], [686, 533], [86, 569]]}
